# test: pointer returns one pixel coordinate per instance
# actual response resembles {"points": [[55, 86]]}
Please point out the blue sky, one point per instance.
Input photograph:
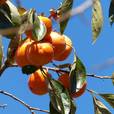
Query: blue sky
{"points": [[93, 57]]}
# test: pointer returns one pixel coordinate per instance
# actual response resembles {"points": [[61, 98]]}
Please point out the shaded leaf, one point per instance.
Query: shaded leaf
{"points": [[111, 12], [109, 98], [77, 75], [29, 69], [59, 96], [97, 19], [113, 78], [73, 107], [53, 110], [99, 107], [64, 12]]}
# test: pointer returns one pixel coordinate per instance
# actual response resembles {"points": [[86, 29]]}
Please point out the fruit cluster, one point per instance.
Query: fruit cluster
{"points": [[53, 46]]}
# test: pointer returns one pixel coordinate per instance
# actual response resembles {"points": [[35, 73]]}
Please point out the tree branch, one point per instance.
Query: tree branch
{"points": [[31, 109], [101, 77]]}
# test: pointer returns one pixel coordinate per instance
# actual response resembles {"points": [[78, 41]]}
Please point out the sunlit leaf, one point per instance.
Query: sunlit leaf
{"points": [[97, 19], [99, 107], [109, 98], [77, 75], [59, 96], [39, 29], [15, 16], [64, 12], [111, 12]]}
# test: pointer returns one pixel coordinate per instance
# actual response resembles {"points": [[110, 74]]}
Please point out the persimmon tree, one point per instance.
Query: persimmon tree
{"points": [[35, 46]]}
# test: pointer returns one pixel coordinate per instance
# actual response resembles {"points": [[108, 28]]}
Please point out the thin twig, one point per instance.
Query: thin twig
{"points": [[31, 109], [101, 77], [55, 69], [3, 105]]}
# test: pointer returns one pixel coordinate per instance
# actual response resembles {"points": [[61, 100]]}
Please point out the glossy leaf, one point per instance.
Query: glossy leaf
{"points": [[59, 96], [53, 110], [111, 12], [109, 98], [15, 16], [1, 51], [64, 13], [39, 29], [77, 75], [99, 107], [97, 19]]}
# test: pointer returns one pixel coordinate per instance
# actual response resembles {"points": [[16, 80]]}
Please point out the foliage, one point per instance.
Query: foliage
{"points": [[15, 22]]}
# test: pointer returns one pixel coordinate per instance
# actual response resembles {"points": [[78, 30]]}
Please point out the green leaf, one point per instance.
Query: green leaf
{"points": [[113, 78], [73, 107], [5, 17], [59, 96], [28, 69], [63, 10], [109, 98], [97, 19], [53, 110], [15, 16], [77, 75], [39, 29], [111, 12], [99, 107], [1, 51]]}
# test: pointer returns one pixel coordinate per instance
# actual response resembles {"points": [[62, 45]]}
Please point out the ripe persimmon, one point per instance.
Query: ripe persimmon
{"points": [[38, 82], [58, 42], [65, 80], [67, 50], [39, 54], [21, 56], [47, 22]]}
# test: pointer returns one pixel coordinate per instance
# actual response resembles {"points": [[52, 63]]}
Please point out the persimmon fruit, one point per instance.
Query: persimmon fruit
{"points": [[39, 54], [65, 80], [58, 42], [21, 55], [38, 82], [64, 55]]}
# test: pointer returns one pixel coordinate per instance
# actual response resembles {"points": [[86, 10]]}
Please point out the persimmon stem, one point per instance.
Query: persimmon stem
{"points": [[31, 109]]}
